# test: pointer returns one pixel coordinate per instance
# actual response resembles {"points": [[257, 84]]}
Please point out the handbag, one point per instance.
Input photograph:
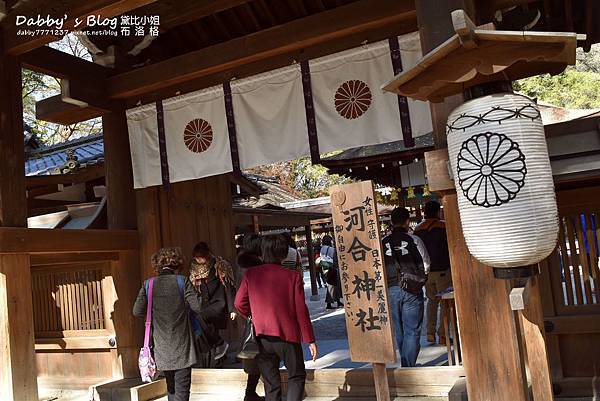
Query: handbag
{"points": [[326, 262], [249, 348], [146, 361]]}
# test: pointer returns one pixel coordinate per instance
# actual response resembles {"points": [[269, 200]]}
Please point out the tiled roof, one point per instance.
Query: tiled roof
{"points": [[274, 194], [45, 161]]}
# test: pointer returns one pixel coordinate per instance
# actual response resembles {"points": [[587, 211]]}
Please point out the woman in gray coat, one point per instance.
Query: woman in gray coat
{"points": [[174, 345]]}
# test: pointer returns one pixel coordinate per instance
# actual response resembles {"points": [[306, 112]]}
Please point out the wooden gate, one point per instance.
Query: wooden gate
{"points": [[571, 287]]}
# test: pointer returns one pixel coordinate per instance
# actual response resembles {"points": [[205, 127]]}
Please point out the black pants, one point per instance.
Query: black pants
{"points": [[320, 277], [273, 350], [251, 368], [178, 384]]}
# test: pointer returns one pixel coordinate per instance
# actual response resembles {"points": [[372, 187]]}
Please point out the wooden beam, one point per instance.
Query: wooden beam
{"points": [[178, 12], [323, 27], [49, 61], [273, 218], [74, 343], [282, 60], [73, 9], [119, 173], [89, 92], [576, 324], [58, 259], [13, 209], [55, 110], [39, 240]]}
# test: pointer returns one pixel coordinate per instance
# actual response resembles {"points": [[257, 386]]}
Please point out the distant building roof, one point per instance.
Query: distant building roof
{"points": [[552, 114], [272, 197], [89, 150], [422, 141]]}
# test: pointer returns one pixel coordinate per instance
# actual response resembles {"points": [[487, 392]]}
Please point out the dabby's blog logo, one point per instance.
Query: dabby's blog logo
{"points": [[49, 22], [41, 22]]}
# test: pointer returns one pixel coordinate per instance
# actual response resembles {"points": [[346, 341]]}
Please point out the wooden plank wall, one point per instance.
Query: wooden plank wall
{"points": [[191, 211]]}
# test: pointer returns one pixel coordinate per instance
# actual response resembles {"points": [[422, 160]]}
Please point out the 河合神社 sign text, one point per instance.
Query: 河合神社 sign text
{"points": [[362, 273]]}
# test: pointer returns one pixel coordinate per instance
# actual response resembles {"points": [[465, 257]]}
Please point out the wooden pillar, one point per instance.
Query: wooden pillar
{"points": [[120, 290], [121, 287], [18, 373], [311, 263], [13, 204], [435, 27], [490, 346], [121, 198], [149, 227]]}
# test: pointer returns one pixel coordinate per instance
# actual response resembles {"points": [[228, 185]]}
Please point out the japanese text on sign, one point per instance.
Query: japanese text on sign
{"points": [[362, 273]]}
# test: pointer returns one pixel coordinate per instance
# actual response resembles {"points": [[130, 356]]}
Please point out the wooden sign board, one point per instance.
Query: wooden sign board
{"points": [[362, 273]]}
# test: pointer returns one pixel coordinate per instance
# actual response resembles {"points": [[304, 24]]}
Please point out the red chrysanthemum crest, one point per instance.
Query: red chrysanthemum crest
{"points": [[198, 135], [352, 99]]}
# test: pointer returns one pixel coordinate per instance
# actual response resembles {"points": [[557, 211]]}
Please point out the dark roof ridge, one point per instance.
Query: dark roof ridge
{"points": [[66, 145]]}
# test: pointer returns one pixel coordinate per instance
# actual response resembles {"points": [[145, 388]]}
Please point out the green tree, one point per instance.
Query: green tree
{"points": [[313, 180], [301, 177], [578, 87], [38, 86]]}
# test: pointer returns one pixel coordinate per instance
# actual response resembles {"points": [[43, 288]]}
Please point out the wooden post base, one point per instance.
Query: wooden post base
{"points": [[382, 388]]}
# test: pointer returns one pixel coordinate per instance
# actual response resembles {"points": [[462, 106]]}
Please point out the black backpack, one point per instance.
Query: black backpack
{"points": [[410, 266]]}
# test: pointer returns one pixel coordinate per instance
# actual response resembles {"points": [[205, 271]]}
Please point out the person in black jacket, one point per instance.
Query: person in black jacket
{"points": [[249, 257], [433, 233], [213, 278], [407, 264], [174, 345]]}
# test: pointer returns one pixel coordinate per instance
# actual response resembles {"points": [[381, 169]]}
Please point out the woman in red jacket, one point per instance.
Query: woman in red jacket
{"points": [[274, 296]]}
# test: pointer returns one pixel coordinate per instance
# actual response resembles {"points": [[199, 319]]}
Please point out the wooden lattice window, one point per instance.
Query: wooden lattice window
{"points": [[67, 299]]}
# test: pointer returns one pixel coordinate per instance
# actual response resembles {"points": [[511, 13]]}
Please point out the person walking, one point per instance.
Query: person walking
{"points": [[174, 345], [407, 264], [213, 278], [249, 257], [293, 259], [274, 297], [433, 233], [329, 266], [318, 271]]}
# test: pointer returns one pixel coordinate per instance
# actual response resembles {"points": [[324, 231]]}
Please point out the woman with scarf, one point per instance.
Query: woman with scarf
{"points": [[213, 278]]}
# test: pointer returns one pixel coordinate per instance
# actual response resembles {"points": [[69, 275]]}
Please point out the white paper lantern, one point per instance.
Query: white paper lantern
{"points": [[503, 180]]}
